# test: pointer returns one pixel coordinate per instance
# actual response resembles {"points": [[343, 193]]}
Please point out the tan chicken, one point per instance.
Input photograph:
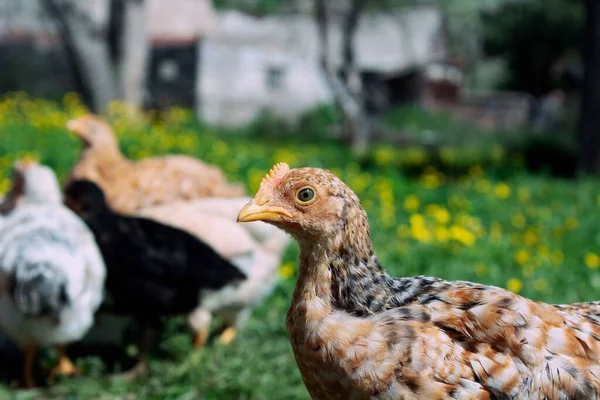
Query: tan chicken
{"points": [[358, 333], [256, 249], [130, 185]]}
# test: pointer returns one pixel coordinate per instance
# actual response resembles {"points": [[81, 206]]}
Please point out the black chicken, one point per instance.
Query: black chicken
{"points": [[153, 270]]}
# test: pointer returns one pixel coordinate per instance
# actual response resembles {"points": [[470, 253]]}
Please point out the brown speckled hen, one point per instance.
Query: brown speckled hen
{"points": [[131, 185], [358, 333]]}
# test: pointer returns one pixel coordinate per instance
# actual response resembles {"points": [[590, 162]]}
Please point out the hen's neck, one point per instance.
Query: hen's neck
{"points": [[344, 272]]}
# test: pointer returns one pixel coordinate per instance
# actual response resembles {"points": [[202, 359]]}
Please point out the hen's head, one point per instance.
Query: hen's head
{"points": [[93, 132], [85, 198], [36, 183], [311, 204]]}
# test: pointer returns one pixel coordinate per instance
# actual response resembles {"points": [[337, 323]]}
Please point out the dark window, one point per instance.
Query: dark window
{"points": [[274, 78]]}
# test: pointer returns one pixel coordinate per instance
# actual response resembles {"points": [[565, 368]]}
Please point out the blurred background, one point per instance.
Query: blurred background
{"points": [[468, 128]]}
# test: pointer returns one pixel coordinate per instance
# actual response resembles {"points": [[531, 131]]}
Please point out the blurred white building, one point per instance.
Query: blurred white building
{"points": [[250, 64], [231, 66]]}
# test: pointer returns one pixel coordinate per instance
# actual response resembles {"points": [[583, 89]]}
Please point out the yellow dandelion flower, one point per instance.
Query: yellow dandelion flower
{"points": [[495, 230], [462, 235], [439, 213], [592, 260], [411, 203], [530, 238], [558, 233], [502, 191], [540, 285], [432, 180], [528, 271], [360, 182], [523, 194], [284, 154], [402, 231], [414, 156], [522, 256], [142, 154], [481, 269], [255, 176], [441, 234], [557, 257], [448, 155], [518, 221], [420, 233], [571, 223], [416, 220], [497, 152], [514, 285], [287, 270], [5, 185], [384, 156], [482, 186], [476, 171]]}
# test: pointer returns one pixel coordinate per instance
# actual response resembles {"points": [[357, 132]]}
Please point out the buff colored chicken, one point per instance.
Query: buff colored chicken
{"points": [[256, 249], [131, 185], [358, 333]]}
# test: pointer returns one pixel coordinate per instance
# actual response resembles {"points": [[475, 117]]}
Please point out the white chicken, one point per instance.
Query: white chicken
{"points": [[256, 249], [51, 271]]}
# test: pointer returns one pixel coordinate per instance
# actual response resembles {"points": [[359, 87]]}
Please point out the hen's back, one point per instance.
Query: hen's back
{"points": [[176, 177]]}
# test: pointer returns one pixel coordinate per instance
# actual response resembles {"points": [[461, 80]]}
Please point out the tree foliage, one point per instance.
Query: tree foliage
{"points": [[533, 36]]}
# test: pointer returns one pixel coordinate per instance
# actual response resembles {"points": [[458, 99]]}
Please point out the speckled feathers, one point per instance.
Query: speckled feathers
{"points": [[358, 333]]}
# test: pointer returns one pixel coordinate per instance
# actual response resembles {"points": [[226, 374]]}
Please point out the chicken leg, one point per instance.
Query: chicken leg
{"points": [[64, 366], [233, 323], [148, 338], [30, 353], [199, 323]]}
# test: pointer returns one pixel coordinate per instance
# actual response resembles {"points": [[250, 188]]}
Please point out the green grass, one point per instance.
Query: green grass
{"points": [[530, 233]]}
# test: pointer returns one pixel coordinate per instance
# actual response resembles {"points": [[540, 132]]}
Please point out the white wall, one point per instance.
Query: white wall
{"points": [[234, 67], [235, 57]]}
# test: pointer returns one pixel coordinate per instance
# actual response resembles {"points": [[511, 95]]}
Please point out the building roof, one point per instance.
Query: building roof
{"points": [[180, 20]]}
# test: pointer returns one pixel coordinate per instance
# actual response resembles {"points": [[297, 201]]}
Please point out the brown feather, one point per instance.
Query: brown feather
{"points": [[358, 333], [131, 185]]}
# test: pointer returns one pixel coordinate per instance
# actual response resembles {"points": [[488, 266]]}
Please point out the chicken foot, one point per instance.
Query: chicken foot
{"points": [[228, 335], [234, 322], [64, 366]]}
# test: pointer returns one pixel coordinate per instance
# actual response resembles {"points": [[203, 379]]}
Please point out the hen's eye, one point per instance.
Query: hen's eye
{"points": [[305, 195]]}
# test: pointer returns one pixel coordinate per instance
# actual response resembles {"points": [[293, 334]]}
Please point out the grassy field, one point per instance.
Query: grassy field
{"points": [[533, 235]]}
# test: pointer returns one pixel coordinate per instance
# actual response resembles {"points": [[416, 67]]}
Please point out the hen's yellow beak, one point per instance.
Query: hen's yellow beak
{"points": [[261, 211]]}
